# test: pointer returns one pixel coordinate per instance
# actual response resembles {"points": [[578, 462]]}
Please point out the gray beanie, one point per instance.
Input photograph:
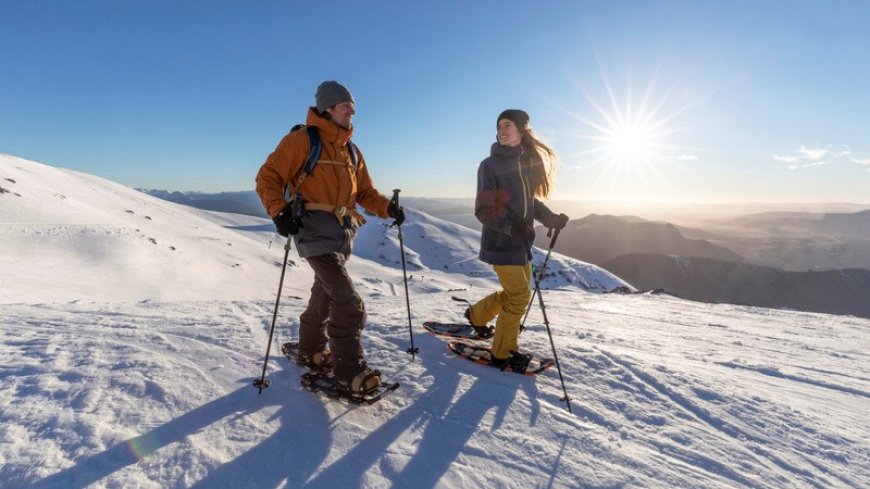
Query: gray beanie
{"points": [[331, 93]]}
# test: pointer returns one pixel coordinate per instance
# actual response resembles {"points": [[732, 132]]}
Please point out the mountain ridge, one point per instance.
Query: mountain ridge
{"points": [[707, 280], [598, 238]]}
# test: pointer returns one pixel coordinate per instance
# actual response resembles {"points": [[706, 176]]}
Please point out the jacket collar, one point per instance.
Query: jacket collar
{"points": [[329, 131], [499, 150]]}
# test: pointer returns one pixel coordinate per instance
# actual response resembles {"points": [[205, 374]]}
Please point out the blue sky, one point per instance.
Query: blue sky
{"points": [[666, 101]]}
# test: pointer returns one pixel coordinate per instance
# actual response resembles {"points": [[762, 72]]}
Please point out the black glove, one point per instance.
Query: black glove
{"points": [[285, 223], [396, 211], [558, 222]]}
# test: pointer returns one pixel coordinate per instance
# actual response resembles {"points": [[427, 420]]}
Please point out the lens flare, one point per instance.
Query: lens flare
{"points": [[629, 139]]}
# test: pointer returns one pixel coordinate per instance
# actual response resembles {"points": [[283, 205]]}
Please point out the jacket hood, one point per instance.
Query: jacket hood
{"points": [[329, 131]]}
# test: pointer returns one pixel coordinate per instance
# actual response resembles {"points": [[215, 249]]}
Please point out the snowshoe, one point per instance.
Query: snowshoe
{"points": [[456, 330], [326, 384], [521, 363]]}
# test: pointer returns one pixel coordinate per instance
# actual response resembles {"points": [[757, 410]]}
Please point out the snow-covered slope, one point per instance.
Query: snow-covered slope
{"points": [[112, 383], [60, 228], [66, 235]]}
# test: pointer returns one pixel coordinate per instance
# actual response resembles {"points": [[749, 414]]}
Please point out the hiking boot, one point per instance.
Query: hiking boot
{"points": [[321, 361], [365, 382], [501, 363], [483, 332], [518, 362]]}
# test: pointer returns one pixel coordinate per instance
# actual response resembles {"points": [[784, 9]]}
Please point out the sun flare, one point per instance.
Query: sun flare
{"points": [[630, 139], [630, 142], [628, 136]]}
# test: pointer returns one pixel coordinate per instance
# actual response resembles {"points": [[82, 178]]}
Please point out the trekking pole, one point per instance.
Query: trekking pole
{"points": [[540, 276], [412, 350], [262, 382], [565, 399]]}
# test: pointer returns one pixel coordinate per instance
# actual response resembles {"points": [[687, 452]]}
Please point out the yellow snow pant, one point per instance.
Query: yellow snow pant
{"points": [[509, 304]]}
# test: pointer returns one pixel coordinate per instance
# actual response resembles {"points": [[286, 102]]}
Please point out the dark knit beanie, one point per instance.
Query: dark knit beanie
{"points": [[519, 117], [331, 93]]}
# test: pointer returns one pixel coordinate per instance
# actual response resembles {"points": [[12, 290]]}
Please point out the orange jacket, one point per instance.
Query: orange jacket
{"points": [[333, 181]]}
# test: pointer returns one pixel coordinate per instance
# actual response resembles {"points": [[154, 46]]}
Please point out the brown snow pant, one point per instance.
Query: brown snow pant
{"points": [[335, 314], [509, 304]]}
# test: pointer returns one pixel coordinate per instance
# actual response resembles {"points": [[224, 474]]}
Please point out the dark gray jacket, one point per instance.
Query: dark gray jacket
{"points": [[507, 207], [321, 234]]}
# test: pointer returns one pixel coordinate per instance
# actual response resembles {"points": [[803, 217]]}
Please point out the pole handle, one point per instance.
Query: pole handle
{"points": [[555, 237], [394, 202]]}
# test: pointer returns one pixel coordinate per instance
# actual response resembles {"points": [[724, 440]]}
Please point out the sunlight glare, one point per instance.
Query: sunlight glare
{"points": [[630, 140]]}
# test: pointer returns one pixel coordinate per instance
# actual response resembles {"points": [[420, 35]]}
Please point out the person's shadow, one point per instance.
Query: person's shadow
{"points": [[292, 453], [297, 449], [437, 415], [446, 436]]}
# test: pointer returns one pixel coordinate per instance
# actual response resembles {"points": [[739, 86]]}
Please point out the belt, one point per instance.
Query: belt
{"points": [[340, 213]]}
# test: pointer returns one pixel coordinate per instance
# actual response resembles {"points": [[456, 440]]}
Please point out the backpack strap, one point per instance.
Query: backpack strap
{"points": [[354, 159], [314, 149]]}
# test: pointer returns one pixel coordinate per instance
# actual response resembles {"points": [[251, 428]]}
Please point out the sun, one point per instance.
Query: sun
{"points": [[628, 135], [631, 142], [629, 147]]}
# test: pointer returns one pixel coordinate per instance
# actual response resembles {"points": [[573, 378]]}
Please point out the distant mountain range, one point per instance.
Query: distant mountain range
{"points": [[599, 238], [242, 202], [855, 224], [794, 241], [708, 280], [656, 255]]}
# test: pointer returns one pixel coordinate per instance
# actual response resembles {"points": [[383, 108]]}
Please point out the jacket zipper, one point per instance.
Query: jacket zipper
{"points": [[525, 188]]}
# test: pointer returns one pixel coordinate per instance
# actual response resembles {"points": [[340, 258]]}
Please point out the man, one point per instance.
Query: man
{"points": [[323, 224]]}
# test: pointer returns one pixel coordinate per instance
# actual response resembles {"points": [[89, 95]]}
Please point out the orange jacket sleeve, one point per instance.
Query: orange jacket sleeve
{"points": [[280, 168]]}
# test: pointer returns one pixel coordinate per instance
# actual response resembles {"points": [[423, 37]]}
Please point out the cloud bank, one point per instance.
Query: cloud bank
{"points": [[804, 157]]}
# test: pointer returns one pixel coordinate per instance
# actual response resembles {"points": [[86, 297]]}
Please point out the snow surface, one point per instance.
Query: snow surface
{"points": [[131, 329]]}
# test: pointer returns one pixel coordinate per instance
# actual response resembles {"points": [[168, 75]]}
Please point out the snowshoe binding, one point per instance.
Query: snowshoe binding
{"points": [[364, 383], [319, 362], [483, 332]]}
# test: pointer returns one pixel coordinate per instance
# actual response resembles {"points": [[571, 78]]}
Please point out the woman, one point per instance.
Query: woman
{"points": [[518, 171]]}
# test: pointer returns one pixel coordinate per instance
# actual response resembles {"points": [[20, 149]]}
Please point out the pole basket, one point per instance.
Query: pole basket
{"points": [[262, 384]]}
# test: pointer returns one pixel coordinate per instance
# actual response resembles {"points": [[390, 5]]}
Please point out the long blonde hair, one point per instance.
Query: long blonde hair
{"points": [[542, 161]]}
